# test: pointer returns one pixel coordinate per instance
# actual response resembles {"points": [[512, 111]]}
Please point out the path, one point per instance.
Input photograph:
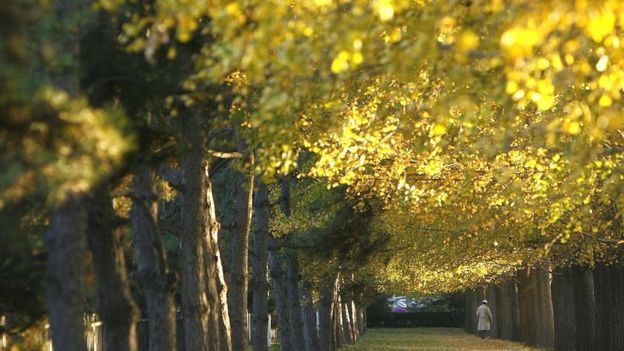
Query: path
{"points": [[424, 339]]}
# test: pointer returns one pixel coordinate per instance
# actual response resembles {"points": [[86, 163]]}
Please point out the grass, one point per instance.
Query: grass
{"points": [[438, 339]]}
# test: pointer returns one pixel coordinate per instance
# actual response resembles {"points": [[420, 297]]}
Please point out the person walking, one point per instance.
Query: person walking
{"points": [[484, 316]]}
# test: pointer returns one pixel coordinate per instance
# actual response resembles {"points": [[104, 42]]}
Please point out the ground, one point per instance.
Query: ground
{"points": [[438, 339]]}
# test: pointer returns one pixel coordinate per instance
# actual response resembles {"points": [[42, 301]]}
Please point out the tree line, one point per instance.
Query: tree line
{"points": [[176, 153]]}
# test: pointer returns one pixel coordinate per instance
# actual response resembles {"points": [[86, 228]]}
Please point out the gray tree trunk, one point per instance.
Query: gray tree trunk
{"points": [[64, 289], [259, 285], [361, 312], [609, 285], [309, 318], [339, 338], [116, 309], [216, 286], [346, 322], [152, 268], [295, 317], [504, 305], [468, 311], [195, 303], [527, 305], [278, 279], [239, 262], [584, 307], [515, 310], [493, 303], [546, 329], [325, 315], [562, 292], [355, 332], [65, 237]]}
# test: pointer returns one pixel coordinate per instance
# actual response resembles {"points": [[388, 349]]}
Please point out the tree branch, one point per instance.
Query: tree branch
{"points": [[224, 154]]}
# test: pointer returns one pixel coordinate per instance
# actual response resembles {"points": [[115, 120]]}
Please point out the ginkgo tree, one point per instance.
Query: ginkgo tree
{"points": [[507, 110]]}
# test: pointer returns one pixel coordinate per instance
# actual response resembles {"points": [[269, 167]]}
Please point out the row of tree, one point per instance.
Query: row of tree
{"points": [[461, 141], [131, 206], [569, 308]]}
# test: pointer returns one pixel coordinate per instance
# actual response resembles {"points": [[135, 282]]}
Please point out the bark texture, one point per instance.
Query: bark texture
{"points": [[493, 303], [239, 259], [309, 318], [609, 285], [562, 289], [152, 268], [326, 331], [339, 338], [116, 308], [295, 317], [527, 306], [515, 310], [355, 332], [278, 280], [546, 336], [584, 307], [259, 285], [504, 314], [361, 318], [217, 288], [194, 300], [65, 239], [346, 323]]}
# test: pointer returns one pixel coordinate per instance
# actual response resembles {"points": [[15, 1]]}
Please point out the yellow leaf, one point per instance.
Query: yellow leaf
{"points": [[468, 41], [341, 62], [601, 25], [384, 9], [605, 101], [573, 128], [438, 130]]}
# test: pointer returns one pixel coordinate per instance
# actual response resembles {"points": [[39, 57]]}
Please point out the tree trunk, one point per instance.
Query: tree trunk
{"points": [[65, 237], [493, 303], [545, 319], [503, 300], [361, 320], [194, 300], [294, 305], [309, 318], [609, 285], [152, 268], [468, 311], [346, 322], [562, 289], [339, 338], [527, 306], [217, 288], [515, 310], [584, 307], [237, 292], [325, 315], [116, 309], [64, 289], [278, 279], [259, 318], [355, 332]]}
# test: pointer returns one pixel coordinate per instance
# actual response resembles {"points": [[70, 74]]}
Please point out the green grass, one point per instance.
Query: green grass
{"points": [[438, 339]]}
